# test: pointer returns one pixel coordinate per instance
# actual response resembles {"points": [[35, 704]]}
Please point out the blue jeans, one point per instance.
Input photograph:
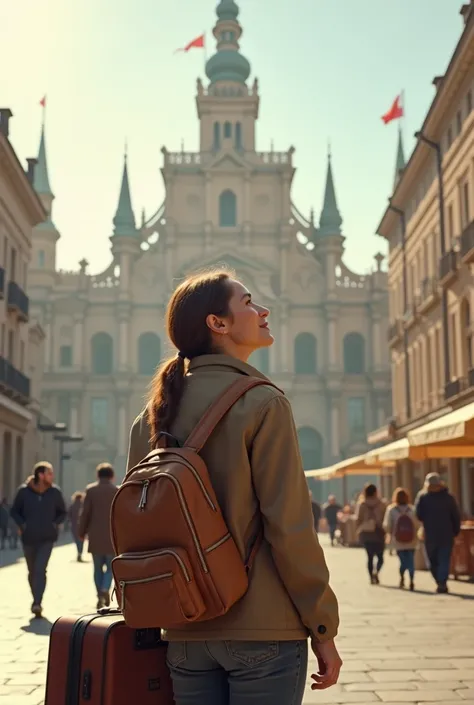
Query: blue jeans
{"points": [[407, 562], [238, 672], [102, 572], [439, 557], [37, 558]]}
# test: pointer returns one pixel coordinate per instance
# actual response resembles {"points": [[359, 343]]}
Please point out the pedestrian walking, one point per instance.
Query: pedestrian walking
{"points": [[401, 524], [331, 513], [257, 652], [369, 525], [316, 509], [94, 522], [439, 513], [38, 510], [4, 522], [73, 516]]}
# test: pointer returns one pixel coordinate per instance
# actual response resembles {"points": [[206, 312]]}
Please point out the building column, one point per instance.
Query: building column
{"points": [[78, 343], [332, 343], [376, 343], [124, 339], [48, 341], [284, 338], [246, 214], [334, 404], [74, 421], [466, 487]]}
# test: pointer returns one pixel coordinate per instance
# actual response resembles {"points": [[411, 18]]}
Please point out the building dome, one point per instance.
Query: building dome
{"points": [[228, 65], [227, 10]]}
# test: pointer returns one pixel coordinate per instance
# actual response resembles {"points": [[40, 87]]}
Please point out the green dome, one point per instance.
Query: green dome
{"points": [[227, 10], [228, 65]]}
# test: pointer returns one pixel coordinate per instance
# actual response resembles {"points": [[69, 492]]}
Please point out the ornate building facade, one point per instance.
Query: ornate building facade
{"points": [[226, 203]]}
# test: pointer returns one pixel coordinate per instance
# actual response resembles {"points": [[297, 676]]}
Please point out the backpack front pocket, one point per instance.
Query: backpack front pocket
{"points": [[157, 589]]}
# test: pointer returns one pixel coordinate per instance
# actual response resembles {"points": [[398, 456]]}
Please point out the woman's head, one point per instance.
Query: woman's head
{"points": [[208, 313], [401, 496], [370, 491]]}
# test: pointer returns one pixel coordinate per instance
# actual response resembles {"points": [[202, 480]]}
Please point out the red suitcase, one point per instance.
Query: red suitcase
{"points": [[98, 660]]}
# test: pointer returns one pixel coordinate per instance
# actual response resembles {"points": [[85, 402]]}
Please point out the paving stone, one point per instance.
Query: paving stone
{"points": [[390, 676], [445, 675], [428, 696], [466, 694]]}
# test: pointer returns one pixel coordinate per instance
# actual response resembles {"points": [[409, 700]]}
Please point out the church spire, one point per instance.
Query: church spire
{"points": [[41, 178], [227, 64], [331, 220], [400, 161], [124, 220]]}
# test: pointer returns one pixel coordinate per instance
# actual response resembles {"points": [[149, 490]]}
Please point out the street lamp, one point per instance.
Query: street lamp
{"points": [[76, 438], [403, 224], [442, 234], [52, 427]]}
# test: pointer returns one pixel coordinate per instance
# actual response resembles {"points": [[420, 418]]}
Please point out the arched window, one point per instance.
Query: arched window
{"points": [[305, 354], [102, 349], [227, 130], [311, 448], [238, 135], [217, 136], [354, 354], [227, 209], [149, 353], [260, 359]]}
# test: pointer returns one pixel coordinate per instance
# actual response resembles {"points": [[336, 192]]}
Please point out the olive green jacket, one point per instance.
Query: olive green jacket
{"points": [[255, 467]]}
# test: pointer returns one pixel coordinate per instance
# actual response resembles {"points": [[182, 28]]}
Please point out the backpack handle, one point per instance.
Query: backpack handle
{"points": [[219, 408]]}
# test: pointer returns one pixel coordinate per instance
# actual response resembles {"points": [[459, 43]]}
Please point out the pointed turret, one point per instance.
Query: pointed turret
{"points": [[400, 162], [124, 220], [41, 177], [228, 64], [331, 220]]}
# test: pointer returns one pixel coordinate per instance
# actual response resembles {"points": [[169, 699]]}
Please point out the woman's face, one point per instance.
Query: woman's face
{"points": [[246, 329]]}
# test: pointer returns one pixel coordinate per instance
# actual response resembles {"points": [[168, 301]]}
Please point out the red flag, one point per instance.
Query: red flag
{"points": [[395, 112], [43, 102], [197, 43]]}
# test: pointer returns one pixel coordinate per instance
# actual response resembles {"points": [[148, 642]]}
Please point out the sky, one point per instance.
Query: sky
{"points": [[327, 71]]}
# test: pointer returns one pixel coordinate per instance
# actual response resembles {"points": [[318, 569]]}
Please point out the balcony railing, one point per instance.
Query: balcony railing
{"points": [[394, 332], [467, 243], [448, 266], [2, 283], [18, 301], [13, 382], [452, 389]]}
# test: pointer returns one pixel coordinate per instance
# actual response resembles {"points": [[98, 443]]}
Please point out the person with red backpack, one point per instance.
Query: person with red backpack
{"points": [[401, 523], [212, 526]]}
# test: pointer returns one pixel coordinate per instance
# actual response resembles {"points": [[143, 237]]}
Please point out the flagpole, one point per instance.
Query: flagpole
{"points": [[402, 122], [205, 50]]}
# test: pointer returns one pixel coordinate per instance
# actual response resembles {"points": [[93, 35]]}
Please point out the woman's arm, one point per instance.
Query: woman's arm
{"points": [[282, 491]]}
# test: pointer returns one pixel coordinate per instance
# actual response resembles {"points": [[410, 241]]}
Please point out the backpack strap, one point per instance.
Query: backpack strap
{"points": [[219, 408]]}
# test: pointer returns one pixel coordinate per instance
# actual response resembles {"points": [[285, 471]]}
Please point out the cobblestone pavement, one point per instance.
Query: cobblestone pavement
{"points": [[397, 647]]}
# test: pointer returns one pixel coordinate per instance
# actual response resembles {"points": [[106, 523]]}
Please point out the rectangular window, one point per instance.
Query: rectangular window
{"points": [[450, 227], [13, 265], [65, 356], [99, 417], [465, 204], [449, 138], [11, 347], [64, 409], [356, 420], [469, 102], [458, 122]]}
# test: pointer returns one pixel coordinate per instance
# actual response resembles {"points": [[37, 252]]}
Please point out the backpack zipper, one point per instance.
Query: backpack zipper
{"points": [[183, 505], [143, 554], [146, 483], [140, 581], [142, 502]]}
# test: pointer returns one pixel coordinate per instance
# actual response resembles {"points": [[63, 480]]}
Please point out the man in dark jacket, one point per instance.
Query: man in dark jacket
{"points": [[331, 512], [94, 522], [437, 509], [38, 510]]}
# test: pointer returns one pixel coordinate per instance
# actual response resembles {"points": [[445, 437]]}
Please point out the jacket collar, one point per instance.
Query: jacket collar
{"points": [[223, 363]]}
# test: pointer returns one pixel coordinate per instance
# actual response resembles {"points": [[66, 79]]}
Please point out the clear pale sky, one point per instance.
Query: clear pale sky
{"points": [[328, 69]]}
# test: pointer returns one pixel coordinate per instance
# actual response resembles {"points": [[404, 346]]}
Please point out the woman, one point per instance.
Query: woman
{"points": [[257, 652], [73, 514], [369, 523], [401, 523]]}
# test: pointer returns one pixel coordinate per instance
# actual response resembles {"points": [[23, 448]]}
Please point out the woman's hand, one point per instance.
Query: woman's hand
{"points": [[329, 663]]}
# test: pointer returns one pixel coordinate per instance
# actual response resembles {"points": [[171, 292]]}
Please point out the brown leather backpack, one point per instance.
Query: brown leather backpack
{"points": [[176, 561]]}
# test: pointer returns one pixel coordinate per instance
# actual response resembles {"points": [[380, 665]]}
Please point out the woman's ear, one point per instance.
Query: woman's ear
{"points": [[217, 325]]}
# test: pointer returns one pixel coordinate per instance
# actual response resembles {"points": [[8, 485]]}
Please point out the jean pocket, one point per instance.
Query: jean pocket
{"points": [[252, 653], [176, 653]]}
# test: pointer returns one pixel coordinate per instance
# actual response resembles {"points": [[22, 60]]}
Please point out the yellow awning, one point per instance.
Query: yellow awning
{"points": [[397, 450], [455, 428], [353, 466]]}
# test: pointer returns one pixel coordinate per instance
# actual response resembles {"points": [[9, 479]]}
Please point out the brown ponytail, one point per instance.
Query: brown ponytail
{"points": [[190, 305]]}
